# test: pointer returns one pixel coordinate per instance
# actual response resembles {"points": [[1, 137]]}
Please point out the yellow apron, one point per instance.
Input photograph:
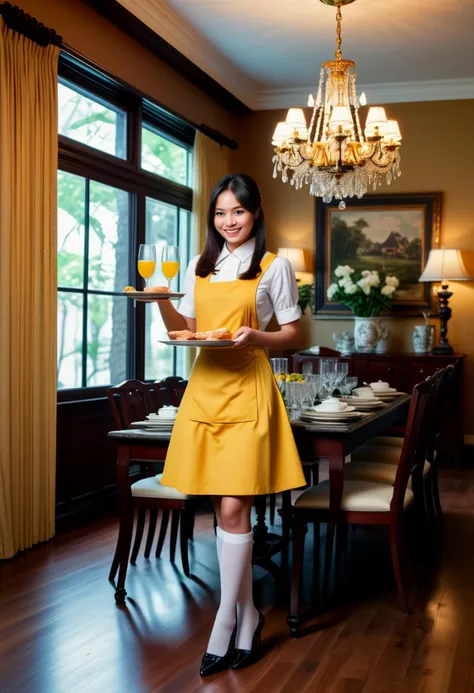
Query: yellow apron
{"points": [[232, 436]]}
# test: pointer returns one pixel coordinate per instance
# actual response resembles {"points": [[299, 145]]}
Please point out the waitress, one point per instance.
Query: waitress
{"points": [[232, 438]]}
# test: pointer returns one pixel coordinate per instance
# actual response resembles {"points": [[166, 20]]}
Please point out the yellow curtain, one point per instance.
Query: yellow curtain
{"points": [[28, 164], [211, 162]]}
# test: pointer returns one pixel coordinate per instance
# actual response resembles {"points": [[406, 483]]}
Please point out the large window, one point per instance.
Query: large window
{"points": [[123, 179]]}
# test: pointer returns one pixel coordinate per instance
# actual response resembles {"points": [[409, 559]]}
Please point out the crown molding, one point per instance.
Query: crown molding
{"points": [[171, 27], [395, 92]]}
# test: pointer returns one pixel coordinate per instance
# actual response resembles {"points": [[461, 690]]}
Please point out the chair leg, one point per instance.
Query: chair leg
{"points": [[398, 565], [341, 548], [174, 533], [299, 530], [165, 516], [191, 515], [316, 563], [183, 539], [331, 528], [272, 508], [436, 498], [115, 563], [125, 541], [141, 513], [153, 515]]}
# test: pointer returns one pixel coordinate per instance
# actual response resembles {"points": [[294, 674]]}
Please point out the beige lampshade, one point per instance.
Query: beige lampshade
{"points": [[295, 256], [445, 264], [376, 116], [296, 121], [340, 116], [281, 134], [391, 131]]}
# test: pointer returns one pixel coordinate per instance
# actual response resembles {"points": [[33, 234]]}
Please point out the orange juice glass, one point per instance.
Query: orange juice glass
{"points": [[146, 262], [170, 262]]}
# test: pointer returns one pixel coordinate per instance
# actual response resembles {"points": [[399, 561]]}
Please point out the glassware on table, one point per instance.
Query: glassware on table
{"points": [[342, 369], [314, 383], [295, 393], [349, 383], [307, 368], [170, 262], [146, 262], [280, 371], [327, 370]]}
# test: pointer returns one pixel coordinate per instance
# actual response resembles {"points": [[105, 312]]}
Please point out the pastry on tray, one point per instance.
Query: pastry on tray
{"points": [[129, 288], [213, 335], [158, 290], [181, 334]]}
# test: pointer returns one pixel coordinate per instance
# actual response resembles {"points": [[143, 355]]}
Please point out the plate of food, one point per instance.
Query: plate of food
{"points": [[222, 337], [152, 293]]}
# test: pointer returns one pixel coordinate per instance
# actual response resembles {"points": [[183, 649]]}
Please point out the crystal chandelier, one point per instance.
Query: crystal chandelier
{"points": [[334, 156]]}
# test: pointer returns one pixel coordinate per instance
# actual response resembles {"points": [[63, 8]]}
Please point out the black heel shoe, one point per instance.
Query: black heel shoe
{"points": [[245, 658], [213, 664]]}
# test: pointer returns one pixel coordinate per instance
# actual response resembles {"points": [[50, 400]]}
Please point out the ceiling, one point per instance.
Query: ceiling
{"points": [[268, 52]]}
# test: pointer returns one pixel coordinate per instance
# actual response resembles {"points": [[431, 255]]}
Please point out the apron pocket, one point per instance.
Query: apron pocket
{"points": [[223, 387]]}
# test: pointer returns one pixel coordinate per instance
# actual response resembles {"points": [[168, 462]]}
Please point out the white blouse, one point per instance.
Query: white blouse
{"points": [[277, 291]]}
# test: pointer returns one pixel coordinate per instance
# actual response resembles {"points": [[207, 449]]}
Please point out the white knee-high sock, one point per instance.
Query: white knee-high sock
{"points": [[247, 614], [235, 557]]}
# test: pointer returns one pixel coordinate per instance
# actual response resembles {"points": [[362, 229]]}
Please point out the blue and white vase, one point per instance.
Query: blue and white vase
{"points": [[367, 333]]}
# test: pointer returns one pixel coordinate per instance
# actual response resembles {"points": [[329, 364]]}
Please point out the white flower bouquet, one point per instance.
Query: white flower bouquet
{"points": [[367, 294]]}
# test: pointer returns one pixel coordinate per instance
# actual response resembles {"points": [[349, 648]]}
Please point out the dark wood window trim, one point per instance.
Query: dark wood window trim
{"points": [[125, 174]]}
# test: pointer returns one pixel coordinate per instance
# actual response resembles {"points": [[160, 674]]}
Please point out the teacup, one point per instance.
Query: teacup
{"points": [[364, 392], [332, 404], [167, 412], [379, 385]]}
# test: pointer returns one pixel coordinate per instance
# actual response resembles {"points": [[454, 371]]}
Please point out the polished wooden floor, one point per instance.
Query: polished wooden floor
{"points": [[60, 631]]}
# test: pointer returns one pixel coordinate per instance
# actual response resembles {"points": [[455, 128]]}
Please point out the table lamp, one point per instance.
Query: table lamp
{"points": [[444, 265], [295, 256]]}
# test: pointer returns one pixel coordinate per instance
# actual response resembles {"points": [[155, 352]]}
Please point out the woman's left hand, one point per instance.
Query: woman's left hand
{"points": [[244, 336]]}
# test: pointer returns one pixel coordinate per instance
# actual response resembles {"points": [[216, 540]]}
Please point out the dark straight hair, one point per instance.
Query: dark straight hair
{"points": [[248, 194]]}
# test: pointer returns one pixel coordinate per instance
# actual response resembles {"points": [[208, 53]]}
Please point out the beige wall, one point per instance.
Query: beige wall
{"points": [[437, 155], [98, 39]]}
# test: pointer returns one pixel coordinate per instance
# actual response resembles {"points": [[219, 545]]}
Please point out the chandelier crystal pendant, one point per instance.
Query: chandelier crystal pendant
{"points": [[333, 155]]}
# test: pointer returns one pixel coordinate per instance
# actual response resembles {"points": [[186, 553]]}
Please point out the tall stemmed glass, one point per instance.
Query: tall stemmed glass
{"points": [[146, 262], [342, 369], [328, 374], [170, 262]]}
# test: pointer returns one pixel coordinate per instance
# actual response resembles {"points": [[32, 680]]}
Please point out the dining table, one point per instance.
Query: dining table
{"points": [[334, 442]]}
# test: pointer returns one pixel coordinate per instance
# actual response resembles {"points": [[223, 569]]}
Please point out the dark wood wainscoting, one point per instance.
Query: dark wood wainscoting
{"points": [[85, 458]]}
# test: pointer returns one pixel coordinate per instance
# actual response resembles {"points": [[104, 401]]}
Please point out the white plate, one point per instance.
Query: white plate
{"points": [[152, 424], [148, 296], [332, 417], [386, 391], [319, 409], [198, 342], [327, 422]]}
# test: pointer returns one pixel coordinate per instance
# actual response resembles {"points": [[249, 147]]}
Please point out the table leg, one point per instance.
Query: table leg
{"points": [[336, 481], [125, 507]]}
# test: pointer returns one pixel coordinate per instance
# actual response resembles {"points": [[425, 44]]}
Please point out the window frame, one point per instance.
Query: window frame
{"points": [[126, 174]]}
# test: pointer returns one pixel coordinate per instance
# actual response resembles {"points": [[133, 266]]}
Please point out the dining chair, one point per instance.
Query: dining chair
{"points": [[377, 459], [369, 503], [131, 401], [170, 390]]}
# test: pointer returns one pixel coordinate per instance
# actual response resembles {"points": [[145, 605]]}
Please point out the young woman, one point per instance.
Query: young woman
{"points": [[232, 438]]}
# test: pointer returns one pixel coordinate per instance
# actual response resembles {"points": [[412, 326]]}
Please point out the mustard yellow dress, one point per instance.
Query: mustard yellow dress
{"points": [[232, 435]]}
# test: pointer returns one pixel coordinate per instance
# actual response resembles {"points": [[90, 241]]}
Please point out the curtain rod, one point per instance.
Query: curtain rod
{"points": [[213, 134], [23, 23]]}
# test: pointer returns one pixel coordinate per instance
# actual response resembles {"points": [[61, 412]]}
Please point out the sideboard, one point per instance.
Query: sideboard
{"points": [[404, 371]]}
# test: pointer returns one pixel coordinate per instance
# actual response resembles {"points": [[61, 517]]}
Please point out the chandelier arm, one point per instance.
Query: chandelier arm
{"points": [[384, 164], [338, 52]]}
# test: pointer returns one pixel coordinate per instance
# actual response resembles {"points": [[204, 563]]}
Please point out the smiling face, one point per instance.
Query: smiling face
{"points": [[232, 221]]}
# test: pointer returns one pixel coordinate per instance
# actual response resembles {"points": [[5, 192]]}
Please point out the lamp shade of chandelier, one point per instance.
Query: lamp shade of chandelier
{"points": [[332, 154]]}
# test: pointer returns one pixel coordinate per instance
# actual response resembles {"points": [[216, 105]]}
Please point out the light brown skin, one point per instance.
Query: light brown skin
{"points": [[235, 224]]}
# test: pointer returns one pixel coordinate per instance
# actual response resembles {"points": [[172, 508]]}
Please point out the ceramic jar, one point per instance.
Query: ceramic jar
{"points": [[423, 336], [367, 333]]}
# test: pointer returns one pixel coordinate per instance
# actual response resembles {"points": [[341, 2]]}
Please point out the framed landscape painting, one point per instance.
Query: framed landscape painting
{"points": [[391, 233]]}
